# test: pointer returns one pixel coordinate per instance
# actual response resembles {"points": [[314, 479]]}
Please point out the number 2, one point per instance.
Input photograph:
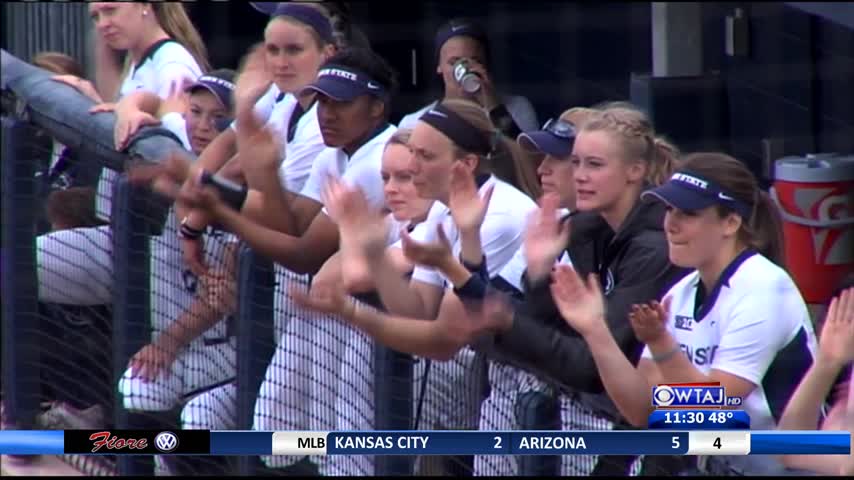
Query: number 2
{"points": [[676, 442], [717, 443], [497, 442]]}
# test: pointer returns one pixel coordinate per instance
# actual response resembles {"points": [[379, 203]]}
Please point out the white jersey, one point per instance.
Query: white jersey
{"points": [[501, 233], [166, 64], [361, 170], [754, 324]]}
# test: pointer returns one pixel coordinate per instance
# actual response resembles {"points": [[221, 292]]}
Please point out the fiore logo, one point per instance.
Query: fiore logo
{"points": [[166, 441], [111, 442]]}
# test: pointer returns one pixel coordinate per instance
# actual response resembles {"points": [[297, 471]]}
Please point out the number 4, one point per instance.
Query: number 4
{"points": [[717, 443]]}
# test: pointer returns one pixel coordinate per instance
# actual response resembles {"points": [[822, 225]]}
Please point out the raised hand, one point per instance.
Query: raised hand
{"points": [[468, 208], [178, 99], [649, 321], [545, 237], [580, 303], [254, 79], [363, 229], [486, 96], [436, 254], [836, 344]]}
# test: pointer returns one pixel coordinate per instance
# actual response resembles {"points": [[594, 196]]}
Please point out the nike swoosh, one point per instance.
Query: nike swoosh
{"points": [[724, 197], [373, 86]]}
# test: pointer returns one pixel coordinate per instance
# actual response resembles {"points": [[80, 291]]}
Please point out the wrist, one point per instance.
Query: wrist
{"points": [[662, 345], [828, 362]]}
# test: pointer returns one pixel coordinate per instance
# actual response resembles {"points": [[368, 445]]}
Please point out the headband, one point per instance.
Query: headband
{"points": [[461, 132], [307, 15]]}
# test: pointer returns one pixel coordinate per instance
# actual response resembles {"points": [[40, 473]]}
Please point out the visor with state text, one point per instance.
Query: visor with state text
{"points": [[556, 138], [690, 192], [344, 84]]}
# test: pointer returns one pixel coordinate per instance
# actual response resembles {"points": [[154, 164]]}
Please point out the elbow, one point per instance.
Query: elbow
{"points": [[357, 284], [639, 418]]}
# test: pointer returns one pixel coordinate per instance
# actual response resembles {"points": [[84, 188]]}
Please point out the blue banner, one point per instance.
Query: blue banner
{"points": [[699, 420], [508, 443], [800, 443], [241, 443], [32, 442]]}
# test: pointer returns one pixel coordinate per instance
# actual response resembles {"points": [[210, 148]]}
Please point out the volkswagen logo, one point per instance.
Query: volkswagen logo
{"points": [[663, 396], [166, 441]]}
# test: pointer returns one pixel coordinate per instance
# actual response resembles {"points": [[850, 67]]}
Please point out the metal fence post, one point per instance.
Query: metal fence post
{"points": [[20, 332], [393, 401], [131, 300], [255, 342]]}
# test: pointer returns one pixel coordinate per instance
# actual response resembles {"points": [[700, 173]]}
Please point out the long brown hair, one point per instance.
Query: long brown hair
{"points": [[173, 19], [763, 231], [507, 161], [634, 131], [59, 63]]}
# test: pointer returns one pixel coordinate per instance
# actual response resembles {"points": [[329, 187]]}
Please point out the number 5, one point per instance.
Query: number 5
{"points": [[497, 442], [676, 443]]}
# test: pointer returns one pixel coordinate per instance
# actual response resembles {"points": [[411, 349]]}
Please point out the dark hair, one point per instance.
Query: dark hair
{"points": [[507, 160], [763, 230], [462, 27], [226, 74], [370, 63], [58, 63], [73, 207]]}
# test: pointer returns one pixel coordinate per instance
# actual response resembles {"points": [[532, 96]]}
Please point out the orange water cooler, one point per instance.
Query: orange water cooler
{"points": [[815, 195]]}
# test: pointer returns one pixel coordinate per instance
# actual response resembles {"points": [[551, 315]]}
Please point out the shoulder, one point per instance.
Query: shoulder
{"points": [[174, 52], [408, 121], [508, 199]]}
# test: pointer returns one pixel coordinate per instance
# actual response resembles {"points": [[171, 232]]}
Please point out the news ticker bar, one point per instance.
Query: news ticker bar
{"points": [[203, 442], [699, 420]]}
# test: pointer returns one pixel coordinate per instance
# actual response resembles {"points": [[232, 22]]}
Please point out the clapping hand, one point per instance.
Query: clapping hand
{"points": [[468, 208], [580, 303], [649, 321], [545, 237]]}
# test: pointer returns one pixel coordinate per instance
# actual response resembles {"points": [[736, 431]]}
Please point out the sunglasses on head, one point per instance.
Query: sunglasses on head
{"points": [[559, 128]]}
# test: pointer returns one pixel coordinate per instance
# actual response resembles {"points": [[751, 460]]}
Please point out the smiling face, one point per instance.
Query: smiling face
{"points": [[401, 196], [203, 112], [293, 53], [697, 238]]}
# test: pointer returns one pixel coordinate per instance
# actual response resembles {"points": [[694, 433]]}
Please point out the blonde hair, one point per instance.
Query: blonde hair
{"points": [[399, 137], [576, 115], [638, 139], [507, 160], [173, 19]]}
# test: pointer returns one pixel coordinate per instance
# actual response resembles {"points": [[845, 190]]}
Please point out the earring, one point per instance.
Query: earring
{"points": [[144, 13]]}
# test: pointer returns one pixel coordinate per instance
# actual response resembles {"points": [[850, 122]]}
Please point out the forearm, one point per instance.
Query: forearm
{"points": [[627, 387], [471, 251], [409, 335], [803, 410], [271, 206], [200, 317], [281, 248], [676, 368], [222, 149], [397, 294]]}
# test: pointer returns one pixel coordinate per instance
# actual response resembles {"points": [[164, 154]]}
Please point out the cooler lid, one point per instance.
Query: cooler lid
{"points": [[815, 168]]}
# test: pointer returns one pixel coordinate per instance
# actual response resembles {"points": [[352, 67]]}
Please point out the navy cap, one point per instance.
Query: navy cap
{"points": [[556, 138], [690, 192], [461, 27], [218, 83], [344, 84]]}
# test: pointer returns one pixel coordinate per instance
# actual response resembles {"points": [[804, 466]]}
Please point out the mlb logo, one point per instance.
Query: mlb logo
{"points": [[684, 323]]}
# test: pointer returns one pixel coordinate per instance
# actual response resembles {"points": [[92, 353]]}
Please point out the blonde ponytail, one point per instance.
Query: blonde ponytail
{"points": [[173, 19], [665, 161]]}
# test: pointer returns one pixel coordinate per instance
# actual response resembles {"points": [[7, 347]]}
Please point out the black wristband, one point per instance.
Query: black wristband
{"points": [[233, 194], [473, 289], [479, 269]]}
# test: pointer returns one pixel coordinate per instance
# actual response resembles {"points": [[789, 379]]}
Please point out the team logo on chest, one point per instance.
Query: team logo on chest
{"points": [[684, 322]]}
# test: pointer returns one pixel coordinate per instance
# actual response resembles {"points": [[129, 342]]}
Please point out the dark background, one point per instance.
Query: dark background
{"points": [[794, 85]]}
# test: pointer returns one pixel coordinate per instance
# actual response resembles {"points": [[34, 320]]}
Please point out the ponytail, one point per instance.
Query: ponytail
{"points": [[663, 161], [515, 166], [765, 229], [173, 19]]}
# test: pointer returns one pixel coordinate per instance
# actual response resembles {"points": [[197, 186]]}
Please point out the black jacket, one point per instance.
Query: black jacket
{"points": [[633, 267]]}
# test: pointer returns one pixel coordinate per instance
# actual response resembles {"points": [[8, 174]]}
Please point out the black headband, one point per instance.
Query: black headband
{"points": [[461, 132], [309, 16]]}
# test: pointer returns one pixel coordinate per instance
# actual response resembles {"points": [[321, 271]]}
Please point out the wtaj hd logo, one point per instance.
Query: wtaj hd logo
{"points": [[692, 395]]}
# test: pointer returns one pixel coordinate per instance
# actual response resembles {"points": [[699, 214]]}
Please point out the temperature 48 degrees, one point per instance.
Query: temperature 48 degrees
{"points": [[720, 417]]}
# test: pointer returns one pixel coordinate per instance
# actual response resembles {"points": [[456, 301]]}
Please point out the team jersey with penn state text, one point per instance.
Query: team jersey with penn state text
{"points": [[753, 324]]}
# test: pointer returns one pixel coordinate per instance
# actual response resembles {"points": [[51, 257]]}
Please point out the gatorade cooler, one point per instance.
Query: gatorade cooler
{"points": [[815, 195]]}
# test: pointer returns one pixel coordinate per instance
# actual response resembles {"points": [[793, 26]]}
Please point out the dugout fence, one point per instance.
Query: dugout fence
{"points": [[292, 369]]}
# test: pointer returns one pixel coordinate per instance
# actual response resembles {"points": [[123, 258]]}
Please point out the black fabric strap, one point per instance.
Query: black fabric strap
{"points": [[461, 132], [232, 193]]}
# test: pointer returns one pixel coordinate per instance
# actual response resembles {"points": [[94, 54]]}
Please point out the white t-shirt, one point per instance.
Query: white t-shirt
{"points": [[361, 170], [501, 233], [754, 324], [177, 124], [520, 109], [165, 65]]}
